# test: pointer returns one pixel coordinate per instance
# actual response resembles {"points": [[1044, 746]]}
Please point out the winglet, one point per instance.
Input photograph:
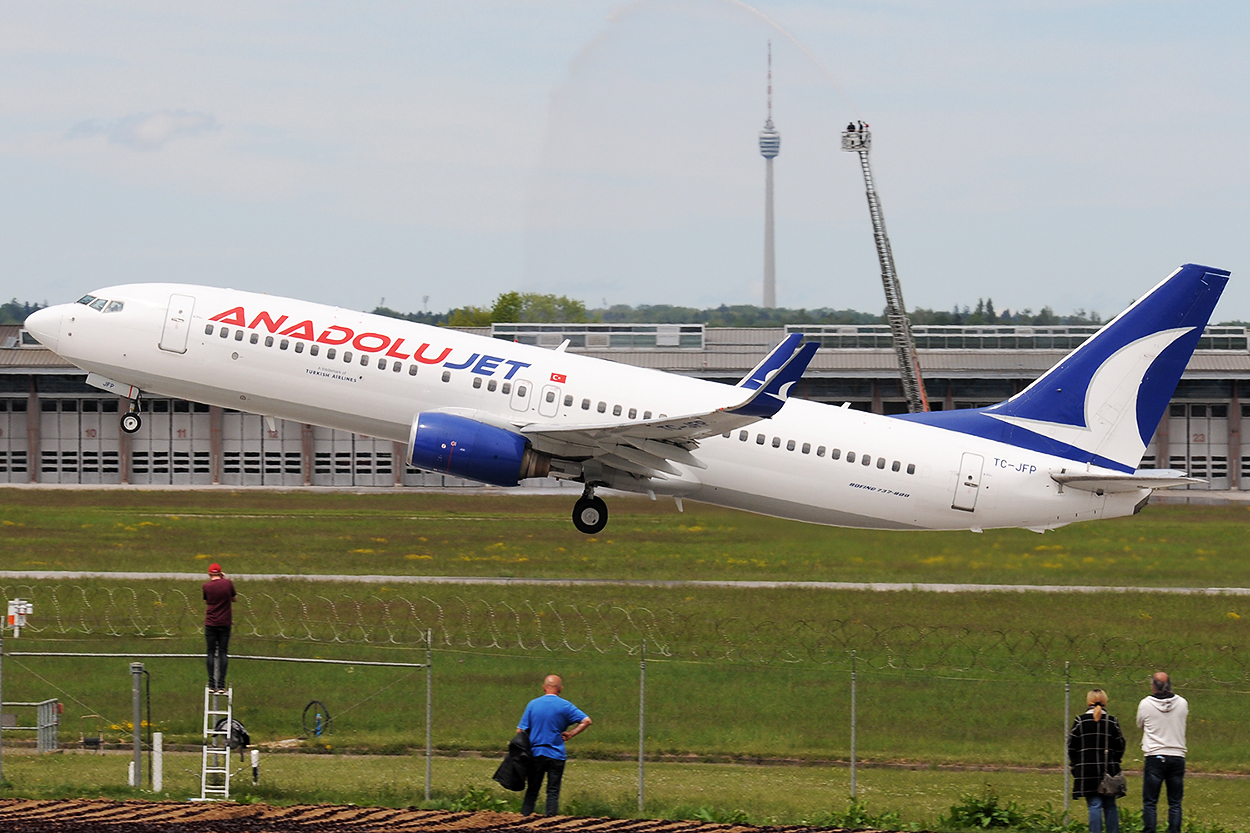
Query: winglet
{"points": [[771, 363], [768, 399]]}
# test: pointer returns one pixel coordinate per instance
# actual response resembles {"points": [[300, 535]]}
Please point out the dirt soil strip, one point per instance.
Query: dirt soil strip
{"points": [[94, 815]]}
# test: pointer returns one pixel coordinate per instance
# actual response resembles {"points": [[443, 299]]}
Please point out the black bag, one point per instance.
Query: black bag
{"points": [[1112, 786], [238, 737]]}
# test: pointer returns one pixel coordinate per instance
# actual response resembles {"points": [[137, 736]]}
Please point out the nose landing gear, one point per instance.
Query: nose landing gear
{"points": [[590, 513]]}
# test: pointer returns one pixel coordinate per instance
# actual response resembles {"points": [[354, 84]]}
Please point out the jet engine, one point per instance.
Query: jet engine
{"points": [[473, 450]]}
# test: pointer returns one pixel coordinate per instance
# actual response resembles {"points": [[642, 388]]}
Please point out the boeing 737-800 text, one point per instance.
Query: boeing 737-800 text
{"points": [[1064, 449]]}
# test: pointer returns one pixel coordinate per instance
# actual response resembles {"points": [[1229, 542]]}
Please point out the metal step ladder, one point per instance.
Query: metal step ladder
{"points": [[215, 765]]}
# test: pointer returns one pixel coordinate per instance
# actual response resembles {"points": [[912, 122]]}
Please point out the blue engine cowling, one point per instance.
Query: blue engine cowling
{"points": [[473, 450]]}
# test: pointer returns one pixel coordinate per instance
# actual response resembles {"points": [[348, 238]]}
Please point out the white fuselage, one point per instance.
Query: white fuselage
{"points": [[806, 463]]}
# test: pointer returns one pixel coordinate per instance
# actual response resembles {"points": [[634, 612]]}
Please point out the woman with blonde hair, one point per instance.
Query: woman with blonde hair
{"points": [[1095, 748]]}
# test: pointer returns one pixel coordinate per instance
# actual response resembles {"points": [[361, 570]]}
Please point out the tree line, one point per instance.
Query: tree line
{"points": [[535, 308]]}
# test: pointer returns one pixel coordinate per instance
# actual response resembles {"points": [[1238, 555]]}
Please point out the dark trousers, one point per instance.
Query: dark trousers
{"points": [[218, 639], [1160, 770], [554, 770]]}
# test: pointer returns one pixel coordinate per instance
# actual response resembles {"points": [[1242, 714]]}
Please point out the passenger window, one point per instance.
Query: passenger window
{"points": [[225, 332], [726, 436], [616, 410], [412, 370], [807, 448], [742, 436], [330, 354], [551, 396], [446, 375], [759, 439], [208, 329], [820, 451], [568, 400], [911, 468], [835, 454], [491, 385], [314, 349], [285, 343], [776, 442], [602, 407], [299, 347], [880, 462], [790, 445], [895, 467], [520, 390], [633, 413], [398, 366], [238, 336], [255, 338], [477, 382], [850, 456], [866, 459], [269, 341], [506, 388], [646, 415], [364, 359], [382, 366], [347, 356]]}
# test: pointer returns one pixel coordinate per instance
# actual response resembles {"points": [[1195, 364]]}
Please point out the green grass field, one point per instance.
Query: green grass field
{"points": [[414, 533], [732, 674]]}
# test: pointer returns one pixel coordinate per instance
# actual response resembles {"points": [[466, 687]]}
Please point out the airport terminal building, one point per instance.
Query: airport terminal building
{"points": [[54, 428]]}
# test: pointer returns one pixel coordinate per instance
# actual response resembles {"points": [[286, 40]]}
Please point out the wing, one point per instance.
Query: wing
{"points": [[648, 448]]}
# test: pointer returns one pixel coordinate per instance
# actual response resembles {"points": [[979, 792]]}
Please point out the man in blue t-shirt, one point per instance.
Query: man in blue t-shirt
{"points": [[548, 719]]}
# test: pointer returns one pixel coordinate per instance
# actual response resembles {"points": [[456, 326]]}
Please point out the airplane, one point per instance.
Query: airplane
{"points": [[1065, 449]]}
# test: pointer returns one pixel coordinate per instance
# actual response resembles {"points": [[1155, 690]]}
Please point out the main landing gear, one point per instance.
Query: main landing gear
{"points": [[590, 513], [131, 421]]}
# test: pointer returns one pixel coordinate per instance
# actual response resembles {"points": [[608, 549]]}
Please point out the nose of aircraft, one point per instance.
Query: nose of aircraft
{"points": [[45, 325]]}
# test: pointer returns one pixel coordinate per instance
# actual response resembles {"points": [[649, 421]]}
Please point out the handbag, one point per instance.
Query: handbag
{"points": [[1112, 786]]}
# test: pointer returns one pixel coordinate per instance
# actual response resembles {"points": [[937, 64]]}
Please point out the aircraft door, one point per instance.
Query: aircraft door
{"points": [[521, 395], [969, 482], [177, 323], [549, 403]]}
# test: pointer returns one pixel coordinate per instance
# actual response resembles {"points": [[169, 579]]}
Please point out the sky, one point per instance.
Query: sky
{"points": [[434, 154]]}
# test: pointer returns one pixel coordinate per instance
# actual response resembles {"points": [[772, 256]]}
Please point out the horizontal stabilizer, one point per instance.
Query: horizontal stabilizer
{"points": [[1110, 484]]}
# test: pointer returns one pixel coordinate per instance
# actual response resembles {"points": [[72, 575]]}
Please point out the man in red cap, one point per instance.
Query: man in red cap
{"points": [[219, 595]]}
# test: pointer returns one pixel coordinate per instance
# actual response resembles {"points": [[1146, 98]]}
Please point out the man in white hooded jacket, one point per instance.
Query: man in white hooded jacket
{"points": [[1161, 717]]}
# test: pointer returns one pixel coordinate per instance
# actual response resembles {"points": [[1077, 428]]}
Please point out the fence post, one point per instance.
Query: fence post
{"points": [[642, 717], [853, 720], [136, 695], [429, 707], [1067, 720], [2, 622]]}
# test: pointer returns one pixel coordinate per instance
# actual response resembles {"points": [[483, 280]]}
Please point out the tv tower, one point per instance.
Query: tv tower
{"points": [[770, 146]]}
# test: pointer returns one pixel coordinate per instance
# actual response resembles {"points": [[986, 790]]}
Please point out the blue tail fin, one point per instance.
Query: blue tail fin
{"points": [[1101, 404]]}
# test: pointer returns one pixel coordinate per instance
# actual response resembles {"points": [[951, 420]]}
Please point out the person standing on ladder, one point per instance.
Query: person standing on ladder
{"points": [[219, 596]]}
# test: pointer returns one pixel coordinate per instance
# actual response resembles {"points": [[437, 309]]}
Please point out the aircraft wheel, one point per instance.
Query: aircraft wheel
{"points": [[131, 423], [590, 515]]}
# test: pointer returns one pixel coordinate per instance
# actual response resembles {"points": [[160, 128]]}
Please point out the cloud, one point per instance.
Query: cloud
{"points": [[146, 131]]}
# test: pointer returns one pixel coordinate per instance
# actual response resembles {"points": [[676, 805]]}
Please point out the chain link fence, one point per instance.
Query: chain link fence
{"points": [[475, 624]]}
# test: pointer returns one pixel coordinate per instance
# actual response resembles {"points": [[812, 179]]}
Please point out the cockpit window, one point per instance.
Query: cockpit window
{"points": [[86, 299], [114, 306], [98, 304]]}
